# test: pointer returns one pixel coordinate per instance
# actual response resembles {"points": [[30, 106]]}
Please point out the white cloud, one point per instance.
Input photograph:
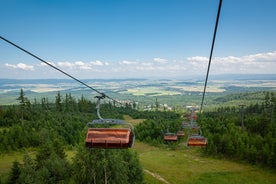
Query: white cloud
{"points": [[260, 63], [79, 63], [75, 65], [146, 64], [127, 62], [198, 59], [65, 64], [21, 66], [261, 57], [147, 68], [255, 63], [97, 63], [159, 60], [269, 56], [82, 65]]}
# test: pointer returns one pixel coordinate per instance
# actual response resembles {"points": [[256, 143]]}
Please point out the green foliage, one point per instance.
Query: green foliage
{"points": [[106, 166], [50, 166], [157, 124], [51, 128], [256, 144], [15, 173], [223, 129]]}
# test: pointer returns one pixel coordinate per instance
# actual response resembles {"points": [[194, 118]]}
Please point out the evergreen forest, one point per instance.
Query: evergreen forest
{"points": [[244, 133]]}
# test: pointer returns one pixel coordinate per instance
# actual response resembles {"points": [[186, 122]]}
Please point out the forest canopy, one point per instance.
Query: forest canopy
{"points": [[243, 132]]}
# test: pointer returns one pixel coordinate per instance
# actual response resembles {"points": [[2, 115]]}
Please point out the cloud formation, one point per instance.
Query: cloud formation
{"points": [[260, 63], [159, 60], [20, 66], [255, 63], [197, 59]]}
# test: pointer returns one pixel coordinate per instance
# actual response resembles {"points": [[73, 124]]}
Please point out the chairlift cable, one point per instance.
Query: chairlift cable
{"points": [[211, 53], [56, 68]]}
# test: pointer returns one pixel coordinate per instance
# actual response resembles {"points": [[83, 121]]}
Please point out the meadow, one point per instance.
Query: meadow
{"points": [[186, 165], [177, 166]]}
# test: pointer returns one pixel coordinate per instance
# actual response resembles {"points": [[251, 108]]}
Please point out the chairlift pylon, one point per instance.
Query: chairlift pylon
{"points": [[195, 137]]}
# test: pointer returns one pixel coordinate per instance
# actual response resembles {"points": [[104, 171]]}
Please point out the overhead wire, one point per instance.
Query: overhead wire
{"points": [[104, 95], [211, 54], [58, 69]]}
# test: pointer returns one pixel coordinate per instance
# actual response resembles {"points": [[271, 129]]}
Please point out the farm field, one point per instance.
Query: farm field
{"points": [[172, 92], [151, 91]]}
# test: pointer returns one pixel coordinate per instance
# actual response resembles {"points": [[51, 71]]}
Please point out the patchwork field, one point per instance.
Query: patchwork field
{"points": [[172, 92], [151, 91]]}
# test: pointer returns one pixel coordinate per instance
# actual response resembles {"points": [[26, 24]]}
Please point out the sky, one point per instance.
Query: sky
{"points": [[136, 38]]}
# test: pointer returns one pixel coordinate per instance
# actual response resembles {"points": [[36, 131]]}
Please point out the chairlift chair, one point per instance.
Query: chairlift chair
{"points": [[192, 116], [197, 140], [171, 137], [180, 134], [109, 137], [185, 125]]}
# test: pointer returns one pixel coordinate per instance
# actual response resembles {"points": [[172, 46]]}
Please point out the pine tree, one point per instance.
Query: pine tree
{"points": [[15, 173], [106, 166], [58, 102], [22, 101]]}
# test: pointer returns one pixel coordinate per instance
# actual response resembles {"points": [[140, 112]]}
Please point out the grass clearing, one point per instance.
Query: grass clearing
{"points": [[180, 166], [189, 166], [134, 122], [7, 160]]}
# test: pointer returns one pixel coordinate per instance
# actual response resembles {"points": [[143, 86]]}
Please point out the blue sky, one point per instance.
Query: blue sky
{"points": [[136, 38]]}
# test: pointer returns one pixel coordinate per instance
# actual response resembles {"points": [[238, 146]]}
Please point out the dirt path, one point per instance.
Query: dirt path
{"points": [[156, 176]]}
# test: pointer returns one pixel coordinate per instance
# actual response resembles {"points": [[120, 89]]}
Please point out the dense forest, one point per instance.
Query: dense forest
{"points": [[235, 132], [50, 129], [246, 133]]}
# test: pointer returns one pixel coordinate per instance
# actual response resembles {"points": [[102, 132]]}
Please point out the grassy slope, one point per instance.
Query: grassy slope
{"points": [[183, 165], [189, 166], [6, 161], [179, 166]]}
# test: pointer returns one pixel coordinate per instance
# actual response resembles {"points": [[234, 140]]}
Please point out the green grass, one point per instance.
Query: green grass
{"points": [[151, 180], [189, 166], [7, 160], [180, 166], [134, 122]]}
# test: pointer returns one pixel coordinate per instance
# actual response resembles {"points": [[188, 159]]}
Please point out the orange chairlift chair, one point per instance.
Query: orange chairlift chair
{"points": [[180, 134], [196, 139], [111, 137], [170, 137]]}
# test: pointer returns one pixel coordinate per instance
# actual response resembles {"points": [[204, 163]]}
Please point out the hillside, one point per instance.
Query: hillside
{"points": [[186, 165], [42, 133], [181, 166]]}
